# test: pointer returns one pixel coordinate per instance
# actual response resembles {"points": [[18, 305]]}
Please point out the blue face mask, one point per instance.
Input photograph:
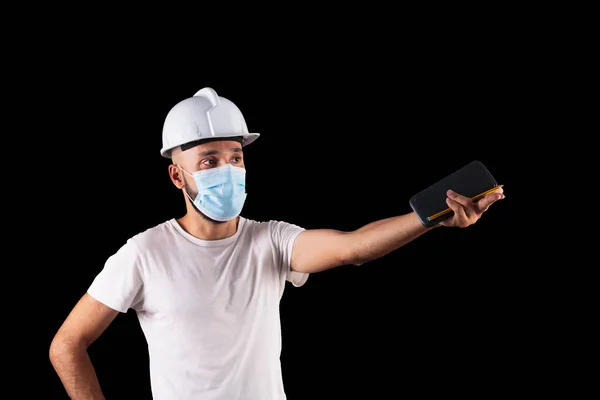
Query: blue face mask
{"points": [[221, 191]]}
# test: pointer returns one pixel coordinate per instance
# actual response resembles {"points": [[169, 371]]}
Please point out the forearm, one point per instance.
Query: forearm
{"points": [[75, 370], [384, 236]]}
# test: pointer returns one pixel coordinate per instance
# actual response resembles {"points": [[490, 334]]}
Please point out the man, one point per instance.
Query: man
{"points": [[206, 287]]}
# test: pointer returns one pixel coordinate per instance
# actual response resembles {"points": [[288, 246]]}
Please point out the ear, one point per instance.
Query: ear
{"points": [[175, 174]]}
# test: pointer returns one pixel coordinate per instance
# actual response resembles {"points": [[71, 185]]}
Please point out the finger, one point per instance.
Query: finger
{"points": [[483, 204], [459, 212], [467, 203]]}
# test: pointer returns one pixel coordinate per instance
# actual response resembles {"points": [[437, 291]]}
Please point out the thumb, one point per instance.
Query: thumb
{"points": [[487, 201]]}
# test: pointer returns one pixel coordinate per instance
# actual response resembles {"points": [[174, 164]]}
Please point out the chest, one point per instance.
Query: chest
{"points": [[206, 282]]}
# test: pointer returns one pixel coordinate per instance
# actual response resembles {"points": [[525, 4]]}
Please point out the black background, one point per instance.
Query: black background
{"points": [[345, 140], [444, 309]]}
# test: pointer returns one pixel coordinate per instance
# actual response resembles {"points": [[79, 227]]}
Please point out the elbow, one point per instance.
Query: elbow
{"points": [[348, 256], [63, 347], [355, 257], [355, 251], [58, 349], [358, 261]]}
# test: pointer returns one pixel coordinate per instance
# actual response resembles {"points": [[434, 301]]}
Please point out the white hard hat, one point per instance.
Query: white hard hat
{"points": [[203, 116]]}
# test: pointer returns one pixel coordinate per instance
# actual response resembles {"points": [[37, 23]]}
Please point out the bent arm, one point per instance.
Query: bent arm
{"points": [[320, 249], [68, 350]]}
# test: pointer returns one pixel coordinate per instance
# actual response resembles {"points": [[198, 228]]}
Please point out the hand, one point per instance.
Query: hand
{"points": [[467, 211]]}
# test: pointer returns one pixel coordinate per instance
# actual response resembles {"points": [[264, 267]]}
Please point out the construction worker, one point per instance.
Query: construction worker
{"points": [[206, 287]]}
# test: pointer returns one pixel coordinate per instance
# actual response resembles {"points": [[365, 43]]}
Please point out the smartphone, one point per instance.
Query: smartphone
{"points": [[473, 180]]}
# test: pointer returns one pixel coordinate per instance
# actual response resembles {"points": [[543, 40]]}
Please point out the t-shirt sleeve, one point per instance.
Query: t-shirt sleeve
{"points": [[119, 283], [284, 235]]}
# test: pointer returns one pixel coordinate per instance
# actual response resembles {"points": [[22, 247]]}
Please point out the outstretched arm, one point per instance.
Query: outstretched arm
{"points": [[320, 249], [68, 350]]}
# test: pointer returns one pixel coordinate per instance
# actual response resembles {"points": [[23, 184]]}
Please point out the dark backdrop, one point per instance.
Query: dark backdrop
{"points": [[340, 147]]}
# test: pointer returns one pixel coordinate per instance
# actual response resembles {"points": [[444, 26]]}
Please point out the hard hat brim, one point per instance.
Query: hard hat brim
{"points": [[247, 139]]}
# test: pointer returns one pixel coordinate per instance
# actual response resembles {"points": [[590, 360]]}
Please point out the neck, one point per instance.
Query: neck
{"points": [[199, 227]]}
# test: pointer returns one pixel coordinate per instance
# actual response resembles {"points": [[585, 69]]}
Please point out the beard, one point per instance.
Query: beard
{"points": [[193, 195]]}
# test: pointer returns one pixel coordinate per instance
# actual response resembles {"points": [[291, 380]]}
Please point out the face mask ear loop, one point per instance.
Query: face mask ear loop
{"points": [[184, 189], [181, 168]]}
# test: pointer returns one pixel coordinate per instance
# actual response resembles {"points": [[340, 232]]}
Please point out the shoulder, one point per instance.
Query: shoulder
{"points": [[267, 225], [270, 229], [157, 236]]}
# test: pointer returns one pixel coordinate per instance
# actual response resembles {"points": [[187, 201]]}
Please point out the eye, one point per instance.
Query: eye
{"points": [[236, 159], [209, 161]]}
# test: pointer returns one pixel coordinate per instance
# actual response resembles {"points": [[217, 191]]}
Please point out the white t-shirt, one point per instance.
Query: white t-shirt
{"points": [[209, 309]]}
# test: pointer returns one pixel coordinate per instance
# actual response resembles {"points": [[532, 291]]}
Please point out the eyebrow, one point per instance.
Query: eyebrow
{"points": [[213, 152]]}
